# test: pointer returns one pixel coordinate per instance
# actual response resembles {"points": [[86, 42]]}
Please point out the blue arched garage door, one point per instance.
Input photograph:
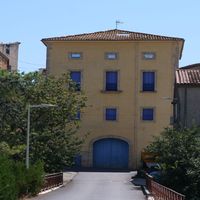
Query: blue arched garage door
{"points": [[110, 153]]}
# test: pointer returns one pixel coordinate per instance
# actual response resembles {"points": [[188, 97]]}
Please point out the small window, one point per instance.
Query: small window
{"points": [[9, 67], [7, 50], [76, 78], [148, 114], [111, 56], [111, 81], [78, 115], [111, 114], [148, 81], [149, 55], [74, 55]]}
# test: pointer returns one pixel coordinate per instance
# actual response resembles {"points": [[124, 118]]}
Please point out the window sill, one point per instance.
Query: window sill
{"points": [[148, 121], [155, 91], [111, 92]]}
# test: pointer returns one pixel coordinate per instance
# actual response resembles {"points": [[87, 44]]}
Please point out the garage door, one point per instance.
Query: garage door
{"points": [[110, 153]]}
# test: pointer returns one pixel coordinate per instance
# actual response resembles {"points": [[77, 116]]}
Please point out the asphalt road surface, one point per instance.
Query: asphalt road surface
{"points": [[97, 186]]}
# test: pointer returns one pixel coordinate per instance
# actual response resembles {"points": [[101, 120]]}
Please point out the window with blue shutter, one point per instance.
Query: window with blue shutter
{"points": [[111, 114], [148, 81], [111, 81], [148, 114], [78, 115], [76, 78]]}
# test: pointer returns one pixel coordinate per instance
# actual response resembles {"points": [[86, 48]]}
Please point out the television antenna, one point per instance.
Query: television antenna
{"points": [[117, 22]]}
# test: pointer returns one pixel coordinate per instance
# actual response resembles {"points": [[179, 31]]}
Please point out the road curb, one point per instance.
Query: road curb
{"points": [[68, 177], [147, 193]]}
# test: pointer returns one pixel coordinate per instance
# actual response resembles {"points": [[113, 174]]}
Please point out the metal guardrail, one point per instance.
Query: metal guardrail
{"points": [[52, 180], [160, 192]]}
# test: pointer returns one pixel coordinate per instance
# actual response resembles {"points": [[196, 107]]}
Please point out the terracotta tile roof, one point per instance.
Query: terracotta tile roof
{"points": [[188, 76], [193, 66], [114, 35]]}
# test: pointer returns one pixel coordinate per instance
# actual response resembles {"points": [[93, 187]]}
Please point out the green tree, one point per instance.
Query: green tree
{"points": [[178, 153], [54, 137]]}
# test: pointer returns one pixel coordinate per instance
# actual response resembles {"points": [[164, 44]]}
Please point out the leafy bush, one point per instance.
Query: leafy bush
{"points": [[4, 149], [35, 179], [17, 181], [20, 175], [179, 155], [29, 182], [7, 180]]}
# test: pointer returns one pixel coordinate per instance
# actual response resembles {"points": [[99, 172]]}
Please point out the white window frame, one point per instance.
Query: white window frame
{"points": [[149, 55], [111, 55], [75, 55]]}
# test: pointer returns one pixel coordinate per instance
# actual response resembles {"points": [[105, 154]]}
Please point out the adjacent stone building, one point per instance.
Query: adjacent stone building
{"points": [[10, 50], [4, 61], [187, 95], [128, 78]]}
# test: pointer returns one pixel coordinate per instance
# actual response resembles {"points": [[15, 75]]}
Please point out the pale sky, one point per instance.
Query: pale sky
{"points": [[28, 21]]}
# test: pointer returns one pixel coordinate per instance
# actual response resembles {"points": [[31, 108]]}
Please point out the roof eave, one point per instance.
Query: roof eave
{"points": [[44, 41], [181, 52], [109, 40], [188, 84]]}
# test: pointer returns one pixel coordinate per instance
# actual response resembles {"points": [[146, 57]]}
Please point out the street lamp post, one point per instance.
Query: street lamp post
{"points": [[28, 127]]}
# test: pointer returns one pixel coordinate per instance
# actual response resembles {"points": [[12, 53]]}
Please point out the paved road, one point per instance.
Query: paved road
{"points": [[97, 186]]}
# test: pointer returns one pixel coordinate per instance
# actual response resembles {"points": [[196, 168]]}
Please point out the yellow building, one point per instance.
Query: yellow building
{"points": [[128, 78]]}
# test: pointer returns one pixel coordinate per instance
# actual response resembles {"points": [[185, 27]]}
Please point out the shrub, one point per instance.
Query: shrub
{"points": [[7, 180], [35, 178], [21, 179], [178, 153], [4, 149], [16, 181], [29, 182]]}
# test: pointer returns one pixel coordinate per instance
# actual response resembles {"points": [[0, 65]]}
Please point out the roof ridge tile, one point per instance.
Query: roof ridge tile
{"points": [[111, 35]]}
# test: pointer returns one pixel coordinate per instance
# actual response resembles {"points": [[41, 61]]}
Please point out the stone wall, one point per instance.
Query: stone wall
{"points": [[10, 50]]}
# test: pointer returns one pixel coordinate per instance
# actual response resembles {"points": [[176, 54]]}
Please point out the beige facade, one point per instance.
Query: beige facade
{"points": [[10, 50], [129, 99]]}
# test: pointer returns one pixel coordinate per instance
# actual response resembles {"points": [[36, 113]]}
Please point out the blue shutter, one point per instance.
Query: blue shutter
{"points": [[111, 114], [148, 81], [78, 115], [76, 77], [111, 81], [77, 161], [148, 114]]}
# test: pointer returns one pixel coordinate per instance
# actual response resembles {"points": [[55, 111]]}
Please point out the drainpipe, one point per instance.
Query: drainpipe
{"points": [[175, 104], [136, 116], [185, 107]]}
